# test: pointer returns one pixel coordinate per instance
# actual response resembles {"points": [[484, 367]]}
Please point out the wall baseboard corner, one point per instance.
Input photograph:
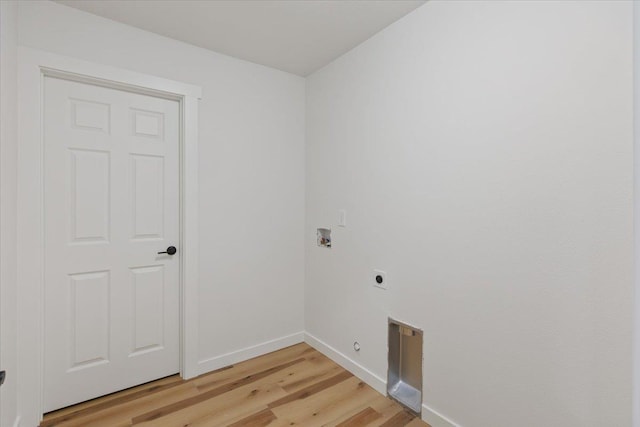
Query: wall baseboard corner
{"points": [[217, 362], [347, 363], [436, 419], [432, 417]]}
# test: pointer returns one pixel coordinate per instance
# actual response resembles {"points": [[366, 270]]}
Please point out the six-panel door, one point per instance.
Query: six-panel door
{"points": [[111, 162]]}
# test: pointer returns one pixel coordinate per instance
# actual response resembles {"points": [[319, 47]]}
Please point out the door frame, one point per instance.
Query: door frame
{"points": [[636, 218], [33, 66]]}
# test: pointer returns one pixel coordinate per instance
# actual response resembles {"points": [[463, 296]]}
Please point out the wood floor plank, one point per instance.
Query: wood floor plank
{"points": [[417, 422], [386, 407], [111, 402], [231, 406], [243, 369], [381, 404], [312, 389], [313, 373], [221, 410], [295, 386], [124, 413], [211, 393], [243, 407], [327, 405], [401, 419], [362, 418], [85, 407], [259, 419]]}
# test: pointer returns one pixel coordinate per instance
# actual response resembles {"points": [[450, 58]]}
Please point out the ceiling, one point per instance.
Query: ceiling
{"points": [[297, 36]]}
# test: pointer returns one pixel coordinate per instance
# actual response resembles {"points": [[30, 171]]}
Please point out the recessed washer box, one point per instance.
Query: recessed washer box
{"points": [[404, 377]]}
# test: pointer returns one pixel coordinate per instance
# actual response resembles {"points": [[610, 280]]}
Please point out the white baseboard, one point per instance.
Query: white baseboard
{"points": [[217, 362], [432, 417], [436, 419], [16, 423], [355, 368]]}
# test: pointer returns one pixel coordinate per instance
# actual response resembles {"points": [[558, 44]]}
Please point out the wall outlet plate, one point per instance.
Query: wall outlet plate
{"points": [[342, 218], [380, 279]]}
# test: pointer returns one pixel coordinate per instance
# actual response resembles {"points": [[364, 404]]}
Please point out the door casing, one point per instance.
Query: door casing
{"points": [[34, 65]]}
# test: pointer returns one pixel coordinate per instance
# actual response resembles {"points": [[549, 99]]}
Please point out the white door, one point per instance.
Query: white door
{"points": [[111, 204]]}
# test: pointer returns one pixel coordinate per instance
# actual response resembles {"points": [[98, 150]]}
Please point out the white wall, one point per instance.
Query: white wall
{"points": [[483, 152], [251, 136], [636, 217], [8, 185]]}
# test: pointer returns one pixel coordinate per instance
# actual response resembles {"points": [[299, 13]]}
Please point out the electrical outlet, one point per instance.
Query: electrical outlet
{"points": [[380, 279]]}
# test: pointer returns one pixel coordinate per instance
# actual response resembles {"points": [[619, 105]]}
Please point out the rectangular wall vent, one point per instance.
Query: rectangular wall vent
{"points": [[404, 379]]}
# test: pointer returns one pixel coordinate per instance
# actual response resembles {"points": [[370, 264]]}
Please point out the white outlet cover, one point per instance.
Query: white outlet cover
{"points": [[385, 283], [342, 218]]}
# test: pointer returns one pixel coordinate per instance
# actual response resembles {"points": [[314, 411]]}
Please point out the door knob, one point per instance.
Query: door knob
{"points": [[170, 250]]}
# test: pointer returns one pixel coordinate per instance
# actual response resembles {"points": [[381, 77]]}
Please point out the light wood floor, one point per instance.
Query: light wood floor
{"points": [[296, 386]]}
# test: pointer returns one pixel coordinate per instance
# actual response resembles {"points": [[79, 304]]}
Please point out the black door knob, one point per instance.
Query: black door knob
{"points": [[170, 250]]}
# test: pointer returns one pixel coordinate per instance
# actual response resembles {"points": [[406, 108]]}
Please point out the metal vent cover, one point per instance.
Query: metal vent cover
{"points": [[404, 375]]}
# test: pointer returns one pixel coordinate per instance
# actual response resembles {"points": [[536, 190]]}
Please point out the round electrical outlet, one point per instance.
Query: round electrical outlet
{"points": [[356, 346]]}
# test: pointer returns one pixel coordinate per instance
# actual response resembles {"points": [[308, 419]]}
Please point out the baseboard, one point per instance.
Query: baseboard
{"points": [[16, 423], [355, 368], [432, 417], [217, 362], [436, 419]]}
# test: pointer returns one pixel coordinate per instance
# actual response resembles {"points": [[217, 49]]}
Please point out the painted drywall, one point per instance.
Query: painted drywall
{"points": [[8, 218], [251, 182], [483, 153], [636, 217]]}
